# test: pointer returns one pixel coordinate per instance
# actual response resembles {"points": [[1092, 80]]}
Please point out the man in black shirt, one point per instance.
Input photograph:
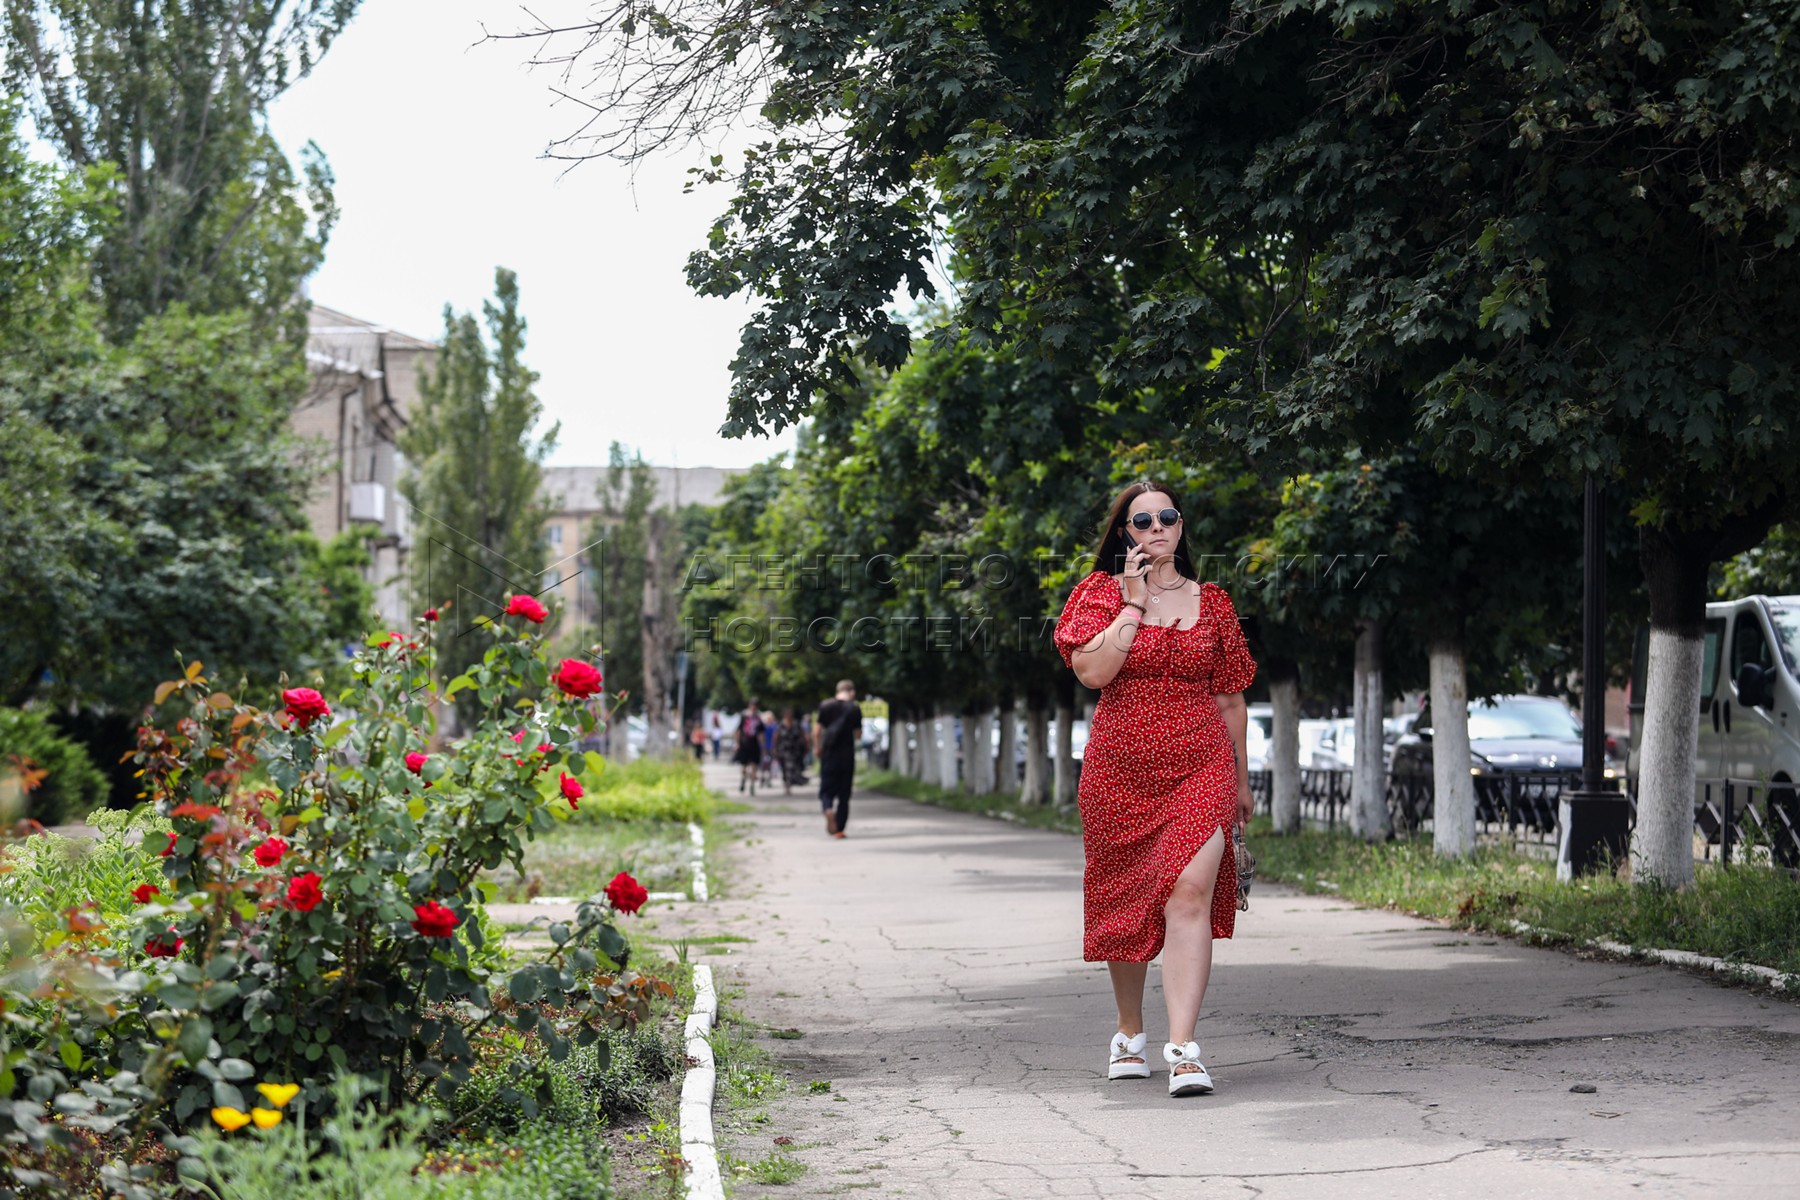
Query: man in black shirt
{"points": [[836, 732]]}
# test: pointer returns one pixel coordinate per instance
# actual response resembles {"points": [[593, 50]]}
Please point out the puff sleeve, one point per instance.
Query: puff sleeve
{"points": [[1091, 607], [1233, 668]]}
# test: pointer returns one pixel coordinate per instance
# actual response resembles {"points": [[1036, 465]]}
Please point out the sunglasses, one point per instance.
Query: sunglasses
{"points": [[1167, 516]]}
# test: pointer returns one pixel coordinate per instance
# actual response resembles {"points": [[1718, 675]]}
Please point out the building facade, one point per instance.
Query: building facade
{"points": [[365, 382]]}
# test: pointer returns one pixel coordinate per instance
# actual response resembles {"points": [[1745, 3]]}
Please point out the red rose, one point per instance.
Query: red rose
{"points": [[576, 678], [431, 614], [164, 945], [571, 789], [170, 848], [527, 607], [627, 894], [270, 852], [415, 762], [143, 892], [303, 892], [305, 705], [433, 919]]}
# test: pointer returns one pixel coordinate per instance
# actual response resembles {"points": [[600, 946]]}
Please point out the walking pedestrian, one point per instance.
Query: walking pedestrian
{"points": [[718, 735], [1164, 775], [748, 751], [836, 731], [790, 749], [768, 748], [697, 739]]}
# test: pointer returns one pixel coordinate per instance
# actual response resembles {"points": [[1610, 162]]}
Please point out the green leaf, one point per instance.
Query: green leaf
{"points": [[71, 1054], [194, 1039]]}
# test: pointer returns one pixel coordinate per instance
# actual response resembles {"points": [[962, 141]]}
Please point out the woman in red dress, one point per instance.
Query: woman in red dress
{"points": [[1164, 775]]}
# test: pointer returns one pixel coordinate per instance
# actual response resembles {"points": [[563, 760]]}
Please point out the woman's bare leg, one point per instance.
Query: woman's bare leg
{"points": [[1187, 946], [1128, 994]]}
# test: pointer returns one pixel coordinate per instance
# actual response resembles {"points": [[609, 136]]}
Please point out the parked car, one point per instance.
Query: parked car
{"points": [[1327, 744], [1748, 705], [1259, 733], [1507, 734]]}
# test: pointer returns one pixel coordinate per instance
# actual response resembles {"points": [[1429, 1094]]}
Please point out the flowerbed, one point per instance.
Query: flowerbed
{"points": [[292, 924]]}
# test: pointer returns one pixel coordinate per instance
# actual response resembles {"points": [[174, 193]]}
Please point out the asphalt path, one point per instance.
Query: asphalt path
{"points": [[932, 962]]}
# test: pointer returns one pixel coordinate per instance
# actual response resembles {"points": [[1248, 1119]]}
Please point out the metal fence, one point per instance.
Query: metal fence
{"points": [[1735, 820]]}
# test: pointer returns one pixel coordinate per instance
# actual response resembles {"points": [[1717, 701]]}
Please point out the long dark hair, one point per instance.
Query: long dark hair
{"points": [[1110, 554]]}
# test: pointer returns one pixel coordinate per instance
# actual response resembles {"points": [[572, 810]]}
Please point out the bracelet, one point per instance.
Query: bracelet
{"points": [[1136, 605]]}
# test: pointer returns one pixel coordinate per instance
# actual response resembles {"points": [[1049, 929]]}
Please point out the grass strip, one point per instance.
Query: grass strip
{"points": [[1000, 806], [1744, 914], [1741, 914]]}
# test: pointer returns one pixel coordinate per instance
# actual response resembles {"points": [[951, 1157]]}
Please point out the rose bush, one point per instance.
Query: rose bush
{"points": [[330, 921]]}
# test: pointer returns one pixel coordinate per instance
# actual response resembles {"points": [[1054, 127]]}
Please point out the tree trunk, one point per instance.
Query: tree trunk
{"points": [[1675, 567], [977, 751], [1063, 787], [1036, 786], [1453, 789], [1284, 746], [658, 640], [1662, 844], [930, 762], [900, 758], [1368, 778], [946, 726], [1006, 769]]}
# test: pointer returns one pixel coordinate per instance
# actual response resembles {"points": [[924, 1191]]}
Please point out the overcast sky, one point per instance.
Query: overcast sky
{"points": [[436, 143]]}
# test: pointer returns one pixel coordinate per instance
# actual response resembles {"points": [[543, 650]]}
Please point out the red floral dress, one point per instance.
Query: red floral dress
{"points": [[1159, 774]]}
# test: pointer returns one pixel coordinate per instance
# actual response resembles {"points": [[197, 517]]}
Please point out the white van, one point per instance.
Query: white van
{"points": [[1749, 701]]}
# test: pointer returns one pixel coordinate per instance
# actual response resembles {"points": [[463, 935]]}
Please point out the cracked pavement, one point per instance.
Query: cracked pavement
{"points": [[932, 961]]}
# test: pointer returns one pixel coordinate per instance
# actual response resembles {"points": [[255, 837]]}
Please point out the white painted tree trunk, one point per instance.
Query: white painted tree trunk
{"points": [[978, 746], [1036, 787], [1662, 845], [930, 760], [1006, 770], [946, 734], [1284, 755], [900, 756], [1368, 776], [1063, 786], [1453, 789]]}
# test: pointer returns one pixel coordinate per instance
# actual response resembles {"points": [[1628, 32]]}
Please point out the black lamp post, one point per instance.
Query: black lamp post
{"points": [[1595, 820]]}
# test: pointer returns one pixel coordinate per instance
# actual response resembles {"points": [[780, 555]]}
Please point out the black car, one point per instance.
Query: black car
{"points": [[1522, 751]]}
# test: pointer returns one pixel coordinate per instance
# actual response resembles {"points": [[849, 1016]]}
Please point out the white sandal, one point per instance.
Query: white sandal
{"points": [[1123, 1048], [1190, 1083]]}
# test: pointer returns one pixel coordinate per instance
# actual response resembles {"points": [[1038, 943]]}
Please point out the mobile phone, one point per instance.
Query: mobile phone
{"points": [[1130, 542]]}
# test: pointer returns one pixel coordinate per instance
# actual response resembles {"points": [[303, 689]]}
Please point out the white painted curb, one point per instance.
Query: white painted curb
{"points": [[1779, 980], [697, 836], [703, 1181]]}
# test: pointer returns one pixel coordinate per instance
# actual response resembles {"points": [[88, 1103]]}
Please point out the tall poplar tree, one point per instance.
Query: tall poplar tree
{"points": [[476, 468]]}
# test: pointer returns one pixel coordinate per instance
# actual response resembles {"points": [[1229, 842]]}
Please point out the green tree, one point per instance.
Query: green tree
{"points": [[174, 94], [476, 468], [1541, 238]]}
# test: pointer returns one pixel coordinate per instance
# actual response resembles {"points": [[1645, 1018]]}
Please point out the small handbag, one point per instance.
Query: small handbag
{"points": [[1246, 868]]}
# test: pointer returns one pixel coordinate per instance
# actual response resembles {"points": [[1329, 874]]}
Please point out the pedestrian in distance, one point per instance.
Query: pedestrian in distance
{"points": [[1164, 777], [718, 735], [790, 750], [697, 739], [837, 728], [768, 747], [748, 751]]}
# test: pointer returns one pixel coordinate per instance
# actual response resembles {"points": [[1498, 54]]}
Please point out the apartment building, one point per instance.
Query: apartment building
{"points": [[365, 380]]}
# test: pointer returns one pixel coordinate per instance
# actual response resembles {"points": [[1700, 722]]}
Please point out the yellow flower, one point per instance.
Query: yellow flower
{"points": [[230, 1119], [265, 1118], [332, 974], [278, 1094]]}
